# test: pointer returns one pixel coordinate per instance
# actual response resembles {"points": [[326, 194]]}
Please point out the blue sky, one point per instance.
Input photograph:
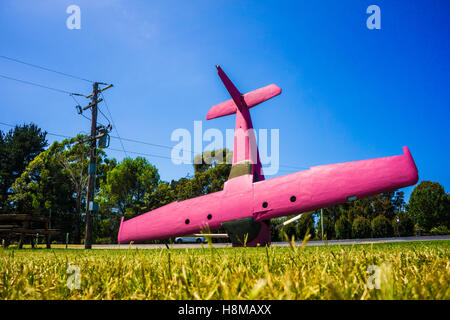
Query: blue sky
{"points": [[349, 93]]}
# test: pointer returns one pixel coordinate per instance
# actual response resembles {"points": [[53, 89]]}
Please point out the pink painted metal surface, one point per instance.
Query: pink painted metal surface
{"points": [[251, 99], [241, 197]]}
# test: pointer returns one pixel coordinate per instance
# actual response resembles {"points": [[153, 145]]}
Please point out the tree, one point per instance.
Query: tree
{"points": [[305, 225], [381, 227], [18, 148], [44, 189], [73, 159], [130, 187], [343, 228], [334, 213], [299, 228], [328, 228], [162, 195], [210, 174], [361, 228], [403, 225], [429, 205], [55, 183], [211, 159], [288, 231]]}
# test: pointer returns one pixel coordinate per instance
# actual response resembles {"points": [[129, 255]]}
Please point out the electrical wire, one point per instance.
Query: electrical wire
{"points": [[150, 154], [41, 86], [149, 144], [104, 116], [112, 120], [106, 104], [142, 153], [80, 112], [46, 69], [49, 133]]}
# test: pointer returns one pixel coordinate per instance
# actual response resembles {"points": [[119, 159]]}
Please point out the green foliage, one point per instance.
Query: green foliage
{"points": [[130, 187], [343, 228], [210, 175], [361, 228], [297, 229], [286, 232], [429, 205], [328, 228], [440, 231], [381, 227], [18, 148], [210, 159], [162, 195], [43, 186], [55, 183], [404, 227], [305, 225]]}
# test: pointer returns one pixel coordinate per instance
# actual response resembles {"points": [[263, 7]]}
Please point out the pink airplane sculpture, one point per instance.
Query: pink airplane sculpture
{"points": [[247, 202]]}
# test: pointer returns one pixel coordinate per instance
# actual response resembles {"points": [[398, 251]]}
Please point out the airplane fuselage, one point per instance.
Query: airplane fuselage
{"points": [[303, 191]]}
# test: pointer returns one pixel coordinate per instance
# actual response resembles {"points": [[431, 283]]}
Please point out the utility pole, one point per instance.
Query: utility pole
{"points": [[92, 169], [92, 206]]}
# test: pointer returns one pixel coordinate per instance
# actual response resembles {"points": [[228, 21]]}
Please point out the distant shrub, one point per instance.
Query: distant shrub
{"points": [[440, 231], [343, 228], [404, 227], [328, 228], [304, 226], [381, 227], [429, 205], [361, 228], [105, 240]]}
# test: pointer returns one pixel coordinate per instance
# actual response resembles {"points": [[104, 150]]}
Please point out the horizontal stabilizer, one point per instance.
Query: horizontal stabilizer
{"points": [[251, 99]]}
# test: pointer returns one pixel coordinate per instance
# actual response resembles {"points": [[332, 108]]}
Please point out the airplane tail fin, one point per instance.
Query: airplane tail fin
{"points": [[239, 100], [245, 146]]}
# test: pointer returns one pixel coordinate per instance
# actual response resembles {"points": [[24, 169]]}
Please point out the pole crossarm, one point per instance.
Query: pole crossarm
{"points": [[101, 90], [90, 105], [90, 138]]}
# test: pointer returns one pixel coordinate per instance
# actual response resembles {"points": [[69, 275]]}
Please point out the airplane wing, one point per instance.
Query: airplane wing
{"points": [[329, 185]]}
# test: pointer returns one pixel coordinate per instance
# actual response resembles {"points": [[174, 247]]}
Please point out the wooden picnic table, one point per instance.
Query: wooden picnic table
{"points": [[23, 225]]}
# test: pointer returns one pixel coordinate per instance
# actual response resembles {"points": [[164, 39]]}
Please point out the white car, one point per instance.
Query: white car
{"points": [[190, 240]]}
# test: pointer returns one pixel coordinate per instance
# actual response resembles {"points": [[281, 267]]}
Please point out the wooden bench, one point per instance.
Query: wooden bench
{"points": [[22, 225]]}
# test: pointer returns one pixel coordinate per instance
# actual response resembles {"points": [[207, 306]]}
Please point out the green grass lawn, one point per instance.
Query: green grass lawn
{"points": [[414, 270]]}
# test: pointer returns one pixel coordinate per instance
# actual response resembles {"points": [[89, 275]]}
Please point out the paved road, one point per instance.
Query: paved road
{"points": [[276, 244]]}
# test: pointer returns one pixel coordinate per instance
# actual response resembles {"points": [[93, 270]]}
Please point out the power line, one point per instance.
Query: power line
{"points": [[49, 133], [106, 104], [46, 69], [80, 112], [172, 148], [112, 120], [113, 149], [164, 157], [104, 116], [142, 153], [41, 86], [147, 143]]}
